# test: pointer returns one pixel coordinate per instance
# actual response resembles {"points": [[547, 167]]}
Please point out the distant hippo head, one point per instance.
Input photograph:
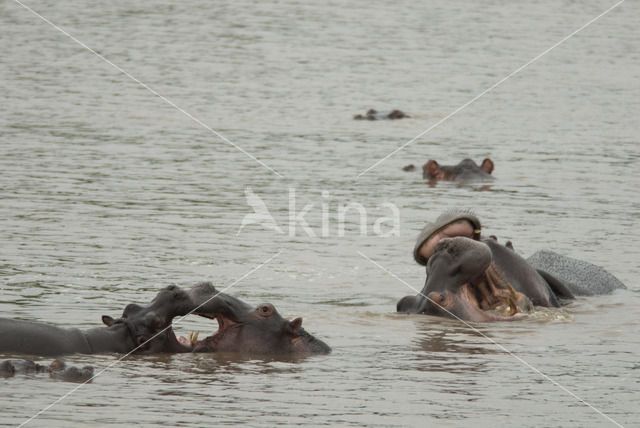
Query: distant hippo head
{"points": [[466, 170], [373, 114], [247, 330], [462, 283]]}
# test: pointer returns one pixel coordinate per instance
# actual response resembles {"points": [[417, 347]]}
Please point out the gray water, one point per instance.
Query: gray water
{"points": [[108, 194]]}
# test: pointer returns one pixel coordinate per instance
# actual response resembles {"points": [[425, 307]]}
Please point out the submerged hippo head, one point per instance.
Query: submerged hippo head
{"points": [[462, 283], [466, 170], [248, 330], [373, 114]]}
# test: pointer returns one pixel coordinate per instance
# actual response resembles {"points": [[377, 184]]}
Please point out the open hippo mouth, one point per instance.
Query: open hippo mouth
{"points": [[246, 329], [495, 294], [464, 283], [474, 302], [210, 343]]}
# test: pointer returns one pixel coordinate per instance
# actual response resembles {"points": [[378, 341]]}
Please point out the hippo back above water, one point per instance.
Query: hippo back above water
{"points": [[57, 370], [141, 329], [582, 278]]}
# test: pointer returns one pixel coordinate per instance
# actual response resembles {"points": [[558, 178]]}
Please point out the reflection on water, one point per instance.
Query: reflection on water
{"points": [[453, 338], [447, 347]]}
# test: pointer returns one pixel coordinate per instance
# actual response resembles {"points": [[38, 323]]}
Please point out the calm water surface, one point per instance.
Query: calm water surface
{"points": [[108, 194]]}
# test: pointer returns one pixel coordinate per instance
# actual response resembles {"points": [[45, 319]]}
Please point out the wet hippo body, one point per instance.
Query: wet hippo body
{"points": [[582, 278], [385, 115], [466, 170], [250, 330], [541, 287], [56, 370], [145, 329], [27, 337], [545, 279], [463, 282]]}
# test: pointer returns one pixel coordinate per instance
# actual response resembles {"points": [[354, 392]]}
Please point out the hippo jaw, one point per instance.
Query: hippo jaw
{"points": [[226, 326], [464, 284], [464, 305]]}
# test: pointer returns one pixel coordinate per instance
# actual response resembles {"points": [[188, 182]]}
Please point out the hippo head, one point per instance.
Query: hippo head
{"points": [[466, 170], [463, 283], [247, 330], [150, 326], [261, 331]]}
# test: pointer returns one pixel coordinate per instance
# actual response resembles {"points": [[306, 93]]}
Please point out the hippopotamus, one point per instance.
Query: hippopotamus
{"points": [[466, 170], [464, 282], [376, 115], [147, 329], [469, 275], [57, 370], [143, 329], [249, 330]]}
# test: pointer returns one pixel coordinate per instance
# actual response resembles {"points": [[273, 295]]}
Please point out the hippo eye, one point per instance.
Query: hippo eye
{"points": [[140, 343], [265, 310]]}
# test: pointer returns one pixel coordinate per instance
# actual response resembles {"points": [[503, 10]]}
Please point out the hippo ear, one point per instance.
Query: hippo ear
{"points": [[431, 169], [487, 165], [107, 320], [295, 326]]}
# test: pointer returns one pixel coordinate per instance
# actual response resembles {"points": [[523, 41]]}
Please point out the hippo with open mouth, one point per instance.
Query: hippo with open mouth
{"points": [[465, 283], [140, 329], [248, 330], [469, 273], [148, 329]]}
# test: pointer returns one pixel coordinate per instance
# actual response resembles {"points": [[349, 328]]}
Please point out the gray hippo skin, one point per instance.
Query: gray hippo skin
{"points": [[546, 278], [463, 282], [250, 330], [385, 115], [507, 270], [543, 288], [582, 278], [145, 329], [466, 170], [56, 370]]}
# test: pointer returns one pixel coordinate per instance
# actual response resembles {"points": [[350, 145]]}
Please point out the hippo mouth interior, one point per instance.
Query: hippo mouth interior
{"points": [[491, 294], [209, 343]]}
